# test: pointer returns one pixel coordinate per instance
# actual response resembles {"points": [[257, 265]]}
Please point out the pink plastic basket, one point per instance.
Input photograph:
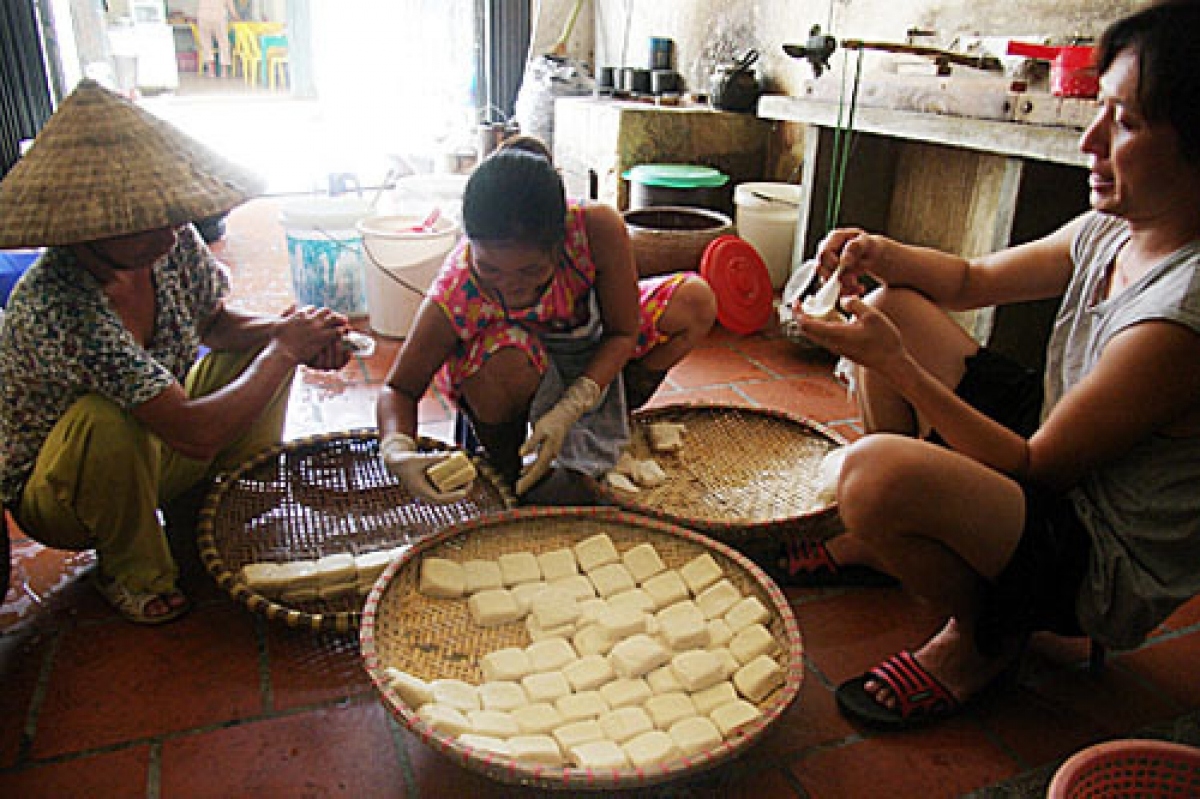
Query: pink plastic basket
{"points": [[1126, 768]]}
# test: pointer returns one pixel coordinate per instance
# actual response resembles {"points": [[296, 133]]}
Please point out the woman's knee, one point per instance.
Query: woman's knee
{"points": [[692, 309], [880, 478], [503, 388]]}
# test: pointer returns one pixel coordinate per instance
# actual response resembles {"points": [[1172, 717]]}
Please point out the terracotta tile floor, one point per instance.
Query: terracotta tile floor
{"points": [[223, 703]]}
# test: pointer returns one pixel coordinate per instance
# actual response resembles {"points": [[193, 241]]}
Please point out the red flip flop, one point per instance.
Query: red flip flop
{"points": [[920, 698]]}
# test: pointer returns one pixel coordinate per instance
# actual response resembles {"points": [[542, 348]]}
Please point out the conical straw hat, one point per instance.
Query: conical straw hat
{"points": [[104, 167]]}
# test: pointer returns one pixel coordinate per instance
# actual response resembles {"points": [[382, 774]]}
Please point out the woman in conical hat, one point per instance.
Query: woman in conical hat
{"points": [[105, 411]]}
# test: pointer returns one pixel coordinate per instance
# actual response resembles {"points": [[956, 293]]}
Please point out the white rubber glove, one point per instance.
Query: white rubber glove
{"points": [[400, 456], [550, 431]]}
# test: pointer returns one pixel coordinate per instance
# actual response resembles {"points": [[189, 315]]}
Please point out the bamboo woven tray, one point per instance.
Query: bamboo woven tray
{"points": [[436, 638], [744, 474], [317, 496]]}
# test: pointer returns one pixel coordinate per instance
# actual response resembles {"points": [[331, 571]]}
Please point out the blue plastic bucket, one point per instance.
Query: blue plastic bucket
{"points": [[13, 264], [325, 252]]}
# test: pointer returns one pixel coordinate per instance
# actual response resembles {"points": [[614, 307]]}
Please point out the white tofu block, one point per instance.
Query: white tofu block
{"points": [[752, 641], [625, 691], [592, 639], [300, 576], [519, 567], [369, 565], [550, 654], [578, 585], [622, 723], [445, 719], [758, 678], [539, 633], [666, 588], [592, 610], [623, 621], [611, 579], [700, 572], [663, 680], [267, 579], [635, 597], [441, 578], [697, 669], [732, 717], [683, 626], [578, 732], [643, 562], [493, 607], [716, 600], [557, 564], [525, 593], [710, 699], [554, 607], [508, 664], [729, 664], [337, 590], [665, 436], [749, 610], [637, 655], [294, 593], [581, 705], [537, 718], [486, 743], [599, 755], [503, 695], [621, 482], [695, 735], [588, 672], [539, 749], [413, 691], [546, 686], [455, 693], [651, 748], [648, 474], [482, 575], [666, 709], [496, 723], [596, 551], [335, 570]]}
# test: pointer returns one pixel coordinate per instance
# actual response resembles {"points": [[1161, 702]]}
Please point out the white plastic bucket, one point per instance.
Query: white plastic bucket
{"points": [[417, 195], [401, 263], [766, 215], [325, 252]]}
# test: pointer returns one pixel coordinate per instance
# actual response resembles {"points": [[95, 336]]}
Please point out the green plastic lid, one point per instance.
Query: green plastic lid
{"points": [[677, 176]]}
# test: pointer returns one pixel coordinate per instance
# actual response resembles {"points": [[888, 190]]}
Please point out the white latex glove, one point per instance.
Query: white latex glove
{"points": [[550, 431], [400, 456]]}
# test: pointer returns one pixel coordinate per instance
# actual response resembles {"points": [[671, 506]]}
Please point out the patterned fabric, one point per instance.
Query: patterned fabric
{"points": [[62, 339], [485, 326]]}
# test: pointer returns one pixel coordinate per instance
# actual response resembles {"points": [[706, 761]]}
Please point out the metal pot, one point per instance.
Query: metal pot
{"points": [[734, 86]]}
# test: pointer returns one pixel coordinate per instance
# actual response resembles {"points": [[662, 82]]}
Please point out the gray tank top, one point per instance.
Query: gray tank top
{"points": [[1143, 509]]}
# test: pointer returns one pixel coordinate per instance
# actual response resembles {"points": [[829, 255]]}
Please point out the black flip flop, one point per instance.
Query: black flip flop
{"points": [[920, 698]]}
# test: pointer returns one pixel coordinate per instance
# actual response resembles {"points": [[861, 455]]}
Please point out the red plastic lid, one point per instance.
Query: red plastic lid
{"points": [[741, 282]]}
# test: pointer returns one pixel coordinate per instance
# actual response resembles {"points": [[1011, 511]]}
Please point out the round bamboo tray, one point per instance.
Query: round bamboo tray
{"points": [[436, 638], [316, 496]]}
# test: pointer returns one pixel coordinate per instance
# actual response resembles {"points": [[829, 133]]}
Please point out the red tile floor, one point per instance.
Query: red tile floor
{"points": [[223, 703]]}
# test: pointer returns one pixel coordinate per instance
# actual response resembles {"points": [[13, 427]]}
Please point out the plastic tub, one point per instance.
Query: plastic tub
{"points": [[401, 261], [653, 185], [669, 239], [325, 252], [766, 215], [417, 195]]}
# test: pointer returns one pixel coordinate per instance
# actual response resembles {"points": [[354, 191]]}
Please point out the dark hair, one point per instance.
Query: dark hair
{"points": [[1166, 39], [515, 196]]}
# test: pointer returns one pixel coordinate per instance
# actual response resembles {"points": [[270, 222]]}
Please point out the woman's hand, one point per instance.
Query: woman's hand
{"points": [[857, 252], [312, 336], [868, 338]]}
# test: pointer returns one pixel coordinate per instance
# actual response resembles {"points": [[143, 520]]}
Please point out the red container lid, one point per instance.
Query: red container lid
{"points": [[741, 282]]}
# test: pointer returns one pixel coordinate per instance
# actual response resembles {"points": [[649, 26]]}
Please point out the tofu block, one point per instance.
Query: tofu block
{"points": [[716, 600], [444, 719], [578, 585], [299, 578], [623, 723], [752, 641], [596, 551], [697, 669], [581, 705], [412, 690], [335, 570], [599, 755], [648, 474], [578, 732], [592, 639], [481, 575], [637, 655], [525, 593], [625, 691], [719, 633], [729, 664], [557, 564], [610, 579], [550, 654], [452, 473], [710, 699], [539, 633], [732, 717], [747, 611], [546, 686], [643, 562], [588, 672], [554, 607], [635, 597], [486, 743], [496, 723], [502, 695], [519, 567], [623, 621], [621, 482], [651, 748], [666, 588], [700, 572], [509, 664], [455, 693], [267, 579], [369, 565], [540, 749], [665, 436], [592, 610], [695, 735], [537, 718], [758, 678], [442, 578], [663, 680], [493, 607], [666, 709], [683, 626]]}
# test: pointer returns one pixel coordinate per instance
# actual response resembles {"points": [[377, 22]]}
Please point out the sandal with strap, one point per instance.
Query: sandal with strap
{"points": [[920, 698], [804, 562], [137, 608]]}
